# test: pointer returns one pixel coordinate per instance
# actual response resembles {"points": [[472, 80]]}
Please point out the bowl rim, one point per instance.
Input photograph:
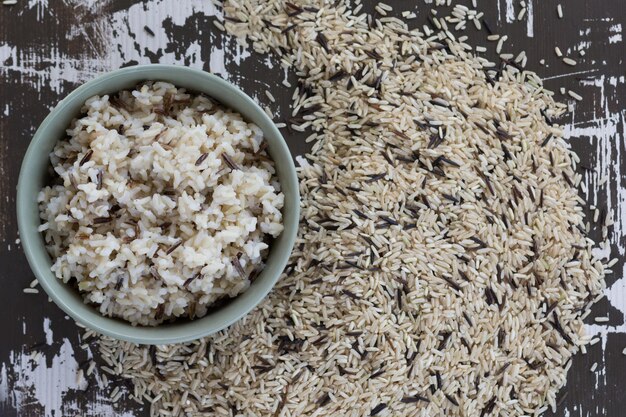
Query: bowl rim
{"points": [[161, 334]]}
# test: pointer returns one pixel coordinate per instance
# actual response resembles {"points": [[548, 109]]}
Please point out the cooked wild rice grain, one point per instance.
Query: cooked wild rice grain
{"points": [[489, 314]]}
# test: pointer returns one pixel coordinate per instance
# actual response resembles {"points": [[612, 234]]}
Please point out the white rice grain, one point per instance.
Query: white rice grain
{"points": [[574, 95], [569, 61]]}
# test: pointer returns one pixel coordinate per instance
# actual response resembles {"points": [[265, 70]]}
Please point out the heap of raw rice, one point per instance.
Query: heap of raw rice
{"points": [[441, 269]]}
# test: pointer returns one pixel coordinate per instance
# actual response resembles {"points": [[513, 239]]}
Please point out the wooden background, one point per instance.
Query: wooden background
{"points": [[48, 47]]}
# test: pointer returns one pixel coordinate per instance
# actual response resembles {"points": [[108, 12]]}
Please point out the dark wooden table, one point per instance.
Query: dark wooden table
{"points": [[48, 47]]}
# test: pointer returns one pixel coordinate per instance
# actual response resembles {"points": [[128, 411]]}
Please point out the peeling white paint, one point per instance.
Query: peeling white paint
{"points": [[239, 53], [4, 385], [616, 294], [510, 11], [47, 330], [125, 24], [27, 379], [33, 380], [615, 32], [7, 52], [571, 74], [582, 45], [603, 131], [40, 6], [129, 24], [601, 19], [499, 11], [90, 4], [530, 19], [216, 63]]}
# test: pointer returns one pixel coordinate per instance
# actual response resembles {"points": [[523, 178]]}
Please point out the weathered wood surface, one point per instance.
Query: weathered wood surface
{"points": [[48, 47]]}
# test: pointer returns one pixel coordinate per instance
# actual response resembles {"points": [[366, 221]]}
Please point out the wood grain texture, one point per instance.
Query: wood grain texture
{"points": [[48, 47]]}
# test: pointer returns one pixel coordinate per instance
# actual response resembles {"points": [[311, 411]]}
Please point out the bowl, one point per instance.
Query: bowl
{"points": [[34, 174]]}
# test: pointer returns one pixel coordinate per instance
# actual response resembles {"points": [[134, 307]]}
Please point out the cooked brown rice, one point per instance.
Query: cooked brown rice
{"points": [[163, 203]]}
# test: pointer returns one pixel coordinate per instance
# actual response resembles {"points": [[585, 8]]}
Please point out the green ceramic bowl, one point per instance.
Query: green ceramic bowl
{"points": [[33, 176]]}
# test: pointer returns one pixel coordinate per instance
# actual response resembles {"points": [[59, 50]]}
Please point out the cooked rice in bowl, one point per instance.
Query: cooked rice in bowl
{"points": [[164, 203]]}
